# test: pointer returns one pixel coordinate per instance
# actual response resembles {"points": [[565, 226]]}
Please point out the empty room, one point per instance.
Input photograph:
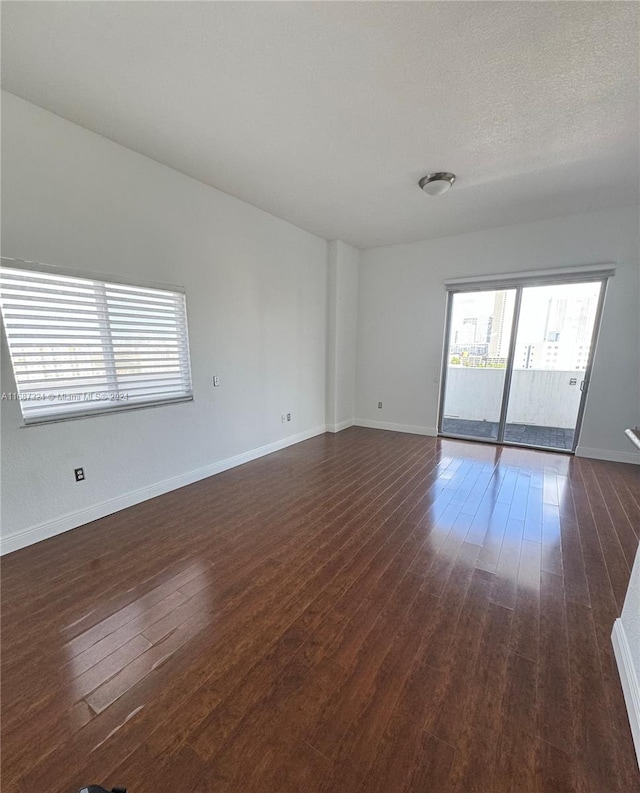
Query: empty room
{"points": [[320, 399]]}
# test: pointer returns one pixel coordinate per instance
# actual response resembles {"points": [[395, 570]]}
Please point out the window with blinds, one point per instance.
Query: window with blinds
{"points": [[82, 346]]}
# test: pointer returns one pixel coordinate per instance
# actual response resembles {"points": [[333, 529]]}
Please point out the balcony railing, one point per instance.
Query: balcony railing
{"points": [[543, 404]]}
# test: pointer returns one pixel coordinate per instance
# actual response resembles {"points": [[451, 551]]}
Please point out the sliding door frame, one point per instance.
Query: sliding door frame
{"points": [[584, 386], [520, 285], [444, 366], [508, 376]]}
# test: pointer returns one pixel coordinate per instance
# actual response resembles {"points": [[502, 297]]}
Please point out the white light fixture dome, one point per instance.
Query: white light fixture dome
{"points": [[437, 183]]}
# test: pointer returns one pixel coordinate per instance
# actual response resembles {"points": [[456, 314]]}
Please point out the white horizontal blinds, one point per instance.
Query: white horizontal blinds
{"points": [[81, 345], [149, 345]]}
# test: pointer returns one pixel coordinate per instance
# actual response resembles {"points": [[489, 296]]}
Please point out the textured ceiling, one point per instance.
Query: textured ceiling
{"points": [[327, 113]]}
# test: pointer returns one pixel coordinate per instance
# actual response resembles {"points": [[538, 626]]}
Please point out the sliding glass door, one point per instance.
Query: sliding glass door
{"points": [[551, 357], [517, 363], [480, 326]]}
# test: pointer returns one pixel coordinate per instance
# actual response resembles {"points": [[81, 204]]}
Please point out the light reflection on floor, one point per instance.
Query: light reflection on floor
{"points": [[137, 634], [483, 497]]}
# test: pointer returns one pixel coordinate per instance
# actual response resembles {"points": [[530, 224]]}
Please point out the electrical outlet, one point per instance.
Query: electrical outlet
{"points": [[79, 472], [216, 381], [283, 418], [379, 405], [288, 416]]}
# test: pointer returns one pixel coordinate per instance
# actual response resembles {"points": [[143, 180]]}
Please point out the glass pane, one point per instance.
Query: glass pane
{"points": [[551, 354], [479, 336]]}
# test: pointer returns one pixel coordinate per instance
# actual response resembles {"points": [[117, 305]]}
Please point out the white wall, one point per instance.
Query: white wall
{"points": [[402, 305], [257, 307], [342, 332], [626, 643], [631, 614]]}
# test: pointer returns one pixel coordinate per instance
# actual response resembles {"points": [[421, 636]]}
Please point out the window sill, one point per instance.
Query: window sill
{"points": [[89, 414]]}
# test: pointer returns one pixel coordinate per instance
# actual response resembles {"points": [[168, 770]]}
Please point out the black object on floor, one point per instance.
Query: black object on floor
{"points": [[100, 789]]}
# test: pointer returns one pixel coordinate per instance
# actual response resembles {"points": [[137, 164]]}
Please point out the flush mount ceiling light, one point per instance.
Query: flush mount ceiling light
{"points": [[437, 183]]}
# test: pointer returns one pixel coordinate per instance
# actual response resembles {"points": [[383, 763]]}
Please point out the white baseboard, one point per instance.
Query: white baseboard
{"points": [[20, 539], [386, 425], [629, 680], [343, 425], [607, 454]]}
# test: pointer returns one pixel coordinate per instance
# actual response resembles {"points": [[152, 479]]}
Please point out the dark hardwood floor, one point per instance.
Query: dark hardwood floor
{"points": [[370, 612]]}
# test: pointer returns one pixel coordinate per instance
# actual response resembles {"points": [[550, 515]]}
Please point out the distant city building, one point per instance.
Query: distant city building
{"points": [[498, 338], [558, 337], [474, 330], [556, 319], [565, 342], [469, 349]]}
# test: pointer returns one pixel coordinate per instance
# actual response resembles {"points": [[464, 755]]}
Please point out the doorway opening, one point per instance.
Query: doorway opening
{"points": [[518, 361]]}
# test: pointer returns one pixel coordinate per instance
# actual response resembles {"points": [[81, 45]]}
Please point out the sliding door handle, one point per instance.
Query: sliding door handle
{"points": [[583, 385]]}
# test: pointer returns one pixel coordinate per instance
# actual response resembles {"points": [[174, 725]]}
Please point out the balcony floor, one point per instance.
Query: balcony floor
{"points": [[526, 434]]}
